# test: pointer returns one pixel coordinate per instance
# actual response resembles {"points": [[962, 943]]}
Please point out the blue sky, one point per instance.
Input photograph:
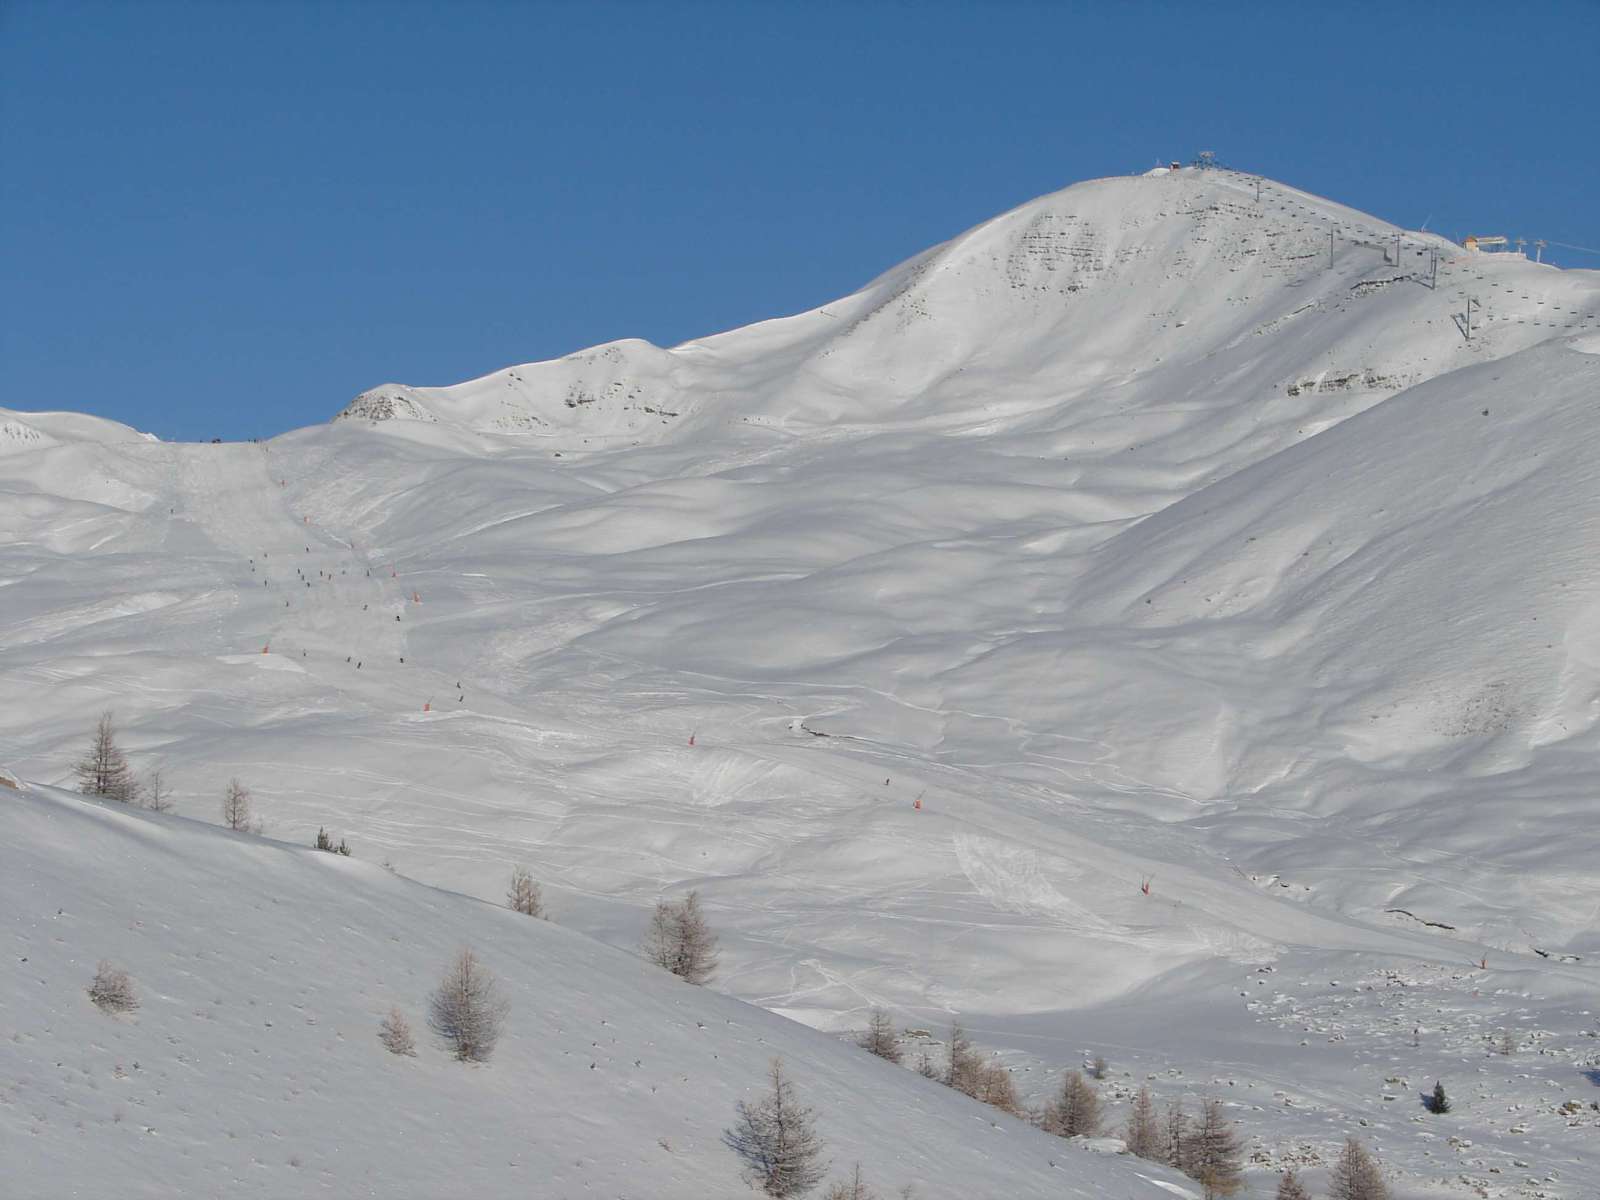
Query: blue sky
{"points": [[226, 219]]}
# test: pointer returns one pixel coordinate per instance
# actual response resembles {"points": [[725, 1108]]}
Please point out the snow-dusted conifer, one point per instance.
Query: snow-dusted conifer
{"points": [[880, 1037], [523, 895], [777, 1138], [104, 770], [467, 1010]]}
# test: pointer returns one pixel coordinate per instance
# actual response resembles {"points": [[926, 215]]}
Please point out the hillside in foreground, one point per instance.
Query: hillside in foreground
{"points": [[252, 1066]]}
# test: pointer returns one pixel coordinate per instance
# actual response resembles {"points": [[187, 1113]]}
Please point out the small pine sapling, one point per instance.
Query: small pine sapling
{"points": [[1438, 1102]]}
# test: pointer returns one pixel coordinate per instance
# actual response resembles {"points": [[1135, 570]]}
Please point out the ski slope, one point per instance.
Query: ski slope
{"points": [[252, 1065], [1136, 534]]}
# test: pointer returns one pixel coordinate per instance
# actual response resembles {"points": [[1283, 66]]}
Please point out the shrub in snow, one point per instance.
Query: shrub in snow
{"points": [[523, 895], [112, 989], [104, 770], [1355, 1176], [680, 940], [395, 1033], [777, 1138], [1290, 1187], [1438, 1102], [467, 1010], [880, 1037], [1097, 1069]]}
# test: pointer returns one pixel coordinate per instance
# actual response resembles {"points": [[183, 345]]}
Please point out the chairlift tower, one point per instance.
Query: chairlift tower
{"points": [[1538, 249], [1206, 160]]}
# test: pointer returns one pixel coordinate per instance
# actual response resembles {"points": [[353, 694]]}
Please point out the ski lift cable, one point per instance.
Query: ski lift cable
{"points": [[1570, 246]]}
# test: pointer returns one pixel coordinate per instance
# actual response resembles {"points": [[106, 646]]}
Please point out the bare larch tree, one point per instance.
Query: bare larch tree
{"points": [[854, 1188], [523, 895], [777, 1138], [1213, 1152], [236, 806], [394, 1031], [467, 1010], [880, 1037], [1355, 1175], [1144, 1135], [680, 940], [103, 770], [154, 792], [1075, 1112]]}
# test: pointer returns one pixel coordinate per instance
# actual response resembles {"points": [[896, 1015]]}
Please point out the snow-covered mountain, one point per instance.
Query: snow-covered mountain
{"points": [[1173, 530]]}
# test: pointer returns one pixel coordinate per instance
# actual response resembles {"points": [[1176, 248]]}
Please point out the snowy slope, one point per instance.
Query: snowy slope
{"points": [[1132, 536], [252, 1066]]}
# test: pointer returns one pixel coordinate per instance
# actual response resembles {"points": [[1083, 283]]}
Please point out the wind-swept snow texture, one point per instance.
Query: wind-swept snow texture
{"points": [[1174, 530]]}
